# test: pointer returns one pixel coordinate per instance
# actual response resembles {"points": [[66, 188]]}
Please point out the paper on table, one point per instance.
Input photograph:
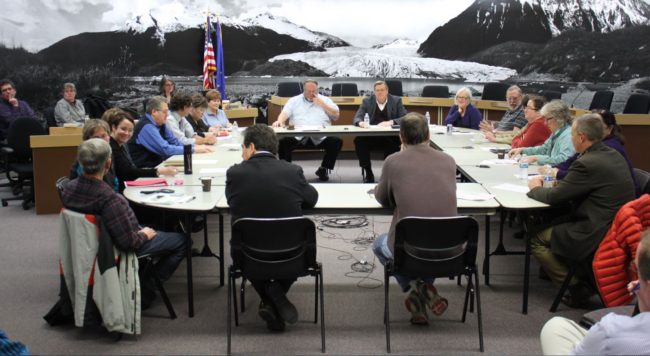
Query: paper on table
{"points": [[231, 145], [204, 161], [463, 133], [213, 170], [473, 196], [512, 187], [168, 199], [309, 127], [493, 162], [488, 148]]}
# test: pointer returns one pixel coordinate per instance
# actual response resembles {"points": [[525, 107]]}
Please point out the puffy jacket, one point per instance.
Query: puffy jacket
{"points": [[613, 263]]}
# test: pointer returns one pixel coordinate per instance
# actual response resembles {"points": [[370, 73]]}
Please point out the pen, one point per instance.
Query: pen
{"points": [[482, 166]]}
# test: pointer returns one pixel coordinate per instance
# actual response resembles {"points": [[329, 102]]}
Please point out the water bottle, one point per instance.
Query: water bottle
{"points": [[549, 180], [235, 130], [523, 167], [187, 159], [366, 120], [427, 118]]}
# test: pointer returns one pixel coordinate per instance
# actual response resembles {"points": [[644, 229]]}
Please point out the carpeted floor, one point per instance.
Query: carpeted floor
{"points": [[353, 300]]}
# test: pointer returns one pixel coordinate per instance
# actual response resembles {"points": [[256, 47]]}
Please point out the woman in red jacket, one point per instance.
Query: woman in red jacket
{"points": [[536, 131]]}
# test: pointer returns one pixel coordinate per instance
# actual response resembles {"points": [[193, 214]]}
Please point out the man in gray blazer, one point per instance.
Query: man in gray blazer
{"points": [[383, 109], [417, 181], [597, 184]]}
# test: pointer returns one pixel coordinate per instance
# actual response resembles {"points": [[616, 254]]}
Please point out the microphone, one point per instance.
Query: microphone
{"points": [[577, 96]]}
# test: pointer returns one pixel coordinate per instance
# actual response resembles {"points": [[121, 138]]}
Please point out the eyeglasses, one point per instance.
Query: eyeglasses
{"points": [[549, 118], [513, 98], [529, 108], [462, 97]]}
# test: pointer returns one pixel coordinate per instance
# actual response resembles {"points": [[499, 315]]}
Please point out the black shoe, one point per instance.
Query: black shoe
{"points": [[273, 321], [322, 174], [368, 176], [543, 275], [197, 224], [578, 297], [284, 307], [147, 296]]}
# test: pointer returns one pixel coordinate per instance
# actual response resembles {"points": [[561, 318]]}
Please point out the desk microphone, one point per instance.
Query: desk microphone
{"points": [[577, 96]]}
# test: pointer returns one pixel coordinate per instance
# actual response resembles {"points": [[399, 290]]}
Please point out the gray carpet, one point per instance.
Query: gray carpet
{"points": [[353, 300]]}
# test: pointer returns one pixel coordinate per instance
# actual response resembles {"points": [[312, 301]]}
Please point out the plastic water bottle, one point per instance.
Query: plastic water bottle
{"points": [[427, 118], [234, 131], [549, 180], [366, 120], [523, 167]]}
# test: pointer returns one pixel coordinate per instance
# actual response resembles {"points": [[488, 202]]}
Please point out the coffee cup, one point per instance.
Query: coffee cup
{"points": [[206, 183], [501, 154]]}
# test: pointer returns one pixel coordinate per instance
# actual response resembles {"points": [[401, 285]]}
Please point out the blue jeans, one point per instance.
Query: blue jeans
{"points": [[383, 253], [173, 243]]}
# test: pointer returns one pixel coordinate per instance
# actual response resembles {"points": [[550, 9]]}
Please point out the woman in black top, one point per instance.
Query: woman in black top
{"points": [[121, 125], [195, 118]]}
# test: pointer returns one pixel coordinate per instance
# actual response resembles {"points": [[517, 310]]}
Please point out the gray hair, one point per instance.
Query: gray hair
{"points": [[557, 110], [466, 91], [155, 103], [93, 155], [590, 125], [414, 129], [515, 87], [69, 86]]}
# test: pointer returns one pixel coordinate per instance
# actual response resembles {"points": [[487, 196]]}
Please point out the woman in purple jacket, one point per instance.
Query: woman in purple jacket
{"points": [[463, 113]]}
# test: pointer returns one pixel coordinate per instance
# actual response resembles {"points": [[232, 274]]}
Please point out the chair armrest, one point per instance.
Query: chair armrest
{"points": [[6, 151]]}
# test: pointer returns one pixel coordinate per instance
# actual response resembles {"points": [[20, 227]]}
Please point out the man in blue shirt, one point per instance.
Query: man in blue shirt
{"points": [[10, 107], [152, 141]]}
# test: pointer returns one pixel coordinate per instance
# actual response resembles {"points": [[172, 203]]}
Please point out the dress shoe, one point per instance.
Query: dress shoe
{"points": [[322, 174], [285, 308], [368, 176], [273, 321]]}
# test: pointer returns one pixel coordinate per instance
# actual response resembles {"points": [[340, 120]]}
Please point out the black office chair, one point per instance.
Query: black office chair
{"points": [[637, 104], [289, 89], [550, 95], [345, 89], [436, 247], [394, 87], [435, 91], [18, 157], [642, 178], [281, 248], [48, 114], [602, 100], [495, 91]]}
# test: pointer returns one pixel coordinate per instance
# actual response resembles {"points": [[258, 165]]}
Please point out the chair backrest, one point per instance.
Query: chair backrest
{"points": [[60, 186], [435, 247], [550, 95], [48, 114], [273, 248], [95, 106], [289, 89], [642, 178], [435, 91], [602, 100], [495, 91], [394, 87], [18, 136], [637, 104], [345, 89]]}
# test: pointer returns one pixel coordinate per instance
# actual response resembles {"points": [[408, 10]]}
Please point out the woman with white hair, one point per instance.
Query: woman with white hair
{"points": [[69, 109], [463, 113]]}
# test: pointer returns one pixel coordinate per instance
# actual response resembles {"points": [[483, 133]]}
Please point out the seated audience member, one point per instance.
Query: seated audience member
{"points": [[10, 107], [533, 134], [89, 195], [284, 193], [403, 175], [463, 113], [121, 125], [383, 109], [614, 334], [69, 109], [180, 107], [152, 141], [167, 89], [214, 116], [597, 184], [612, 138], [513, 119], [312, 109], [195, 117], [557, 148], [95, 128]]}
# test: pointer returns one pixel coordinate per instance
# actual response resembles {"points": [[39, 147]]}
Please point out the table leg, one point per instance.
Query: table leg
{"points": [[486, 260], [528, 231], [190, 285], [222, 258]]}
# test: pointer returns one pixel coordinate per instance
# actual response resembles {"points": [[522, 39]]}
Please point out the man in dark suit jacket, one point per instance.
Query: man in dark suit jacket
{"points": [[597, 184], [383, 109], [264, 187]]}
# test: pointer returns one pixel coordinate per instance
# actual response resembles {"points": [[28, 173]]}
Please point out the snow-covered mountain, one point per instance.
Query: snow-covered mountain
{"points": [[398, 59], [489, 22], [284, 26]]}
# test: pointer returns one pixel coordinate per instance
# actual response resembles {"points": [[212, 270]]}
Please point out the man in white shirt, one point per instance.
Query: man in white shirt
{"points": [[613, 334], [310, 109]]}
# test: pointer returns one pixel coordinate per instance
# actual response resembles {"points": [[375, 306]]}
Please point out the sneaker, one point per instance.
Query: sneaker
{"points": [[430, 297], [322, 174], [285, 308], [273, 321], [416, 308]]}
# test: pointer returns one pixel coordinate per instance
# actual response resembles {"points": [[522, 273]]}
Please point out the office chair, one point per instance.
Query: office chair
{"points": [[345, 89], [602, 100], [48, 114], [435, 91], [394, 87], [637, 104], [18, 157], [642, 178], [552, 95], [436, 247], [495, 91], [279, 248], [289, 89]]}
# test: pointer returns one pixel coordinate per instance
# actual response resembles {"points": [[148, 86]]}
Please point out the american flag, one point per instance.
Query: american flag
{"points": [[209, 64]]}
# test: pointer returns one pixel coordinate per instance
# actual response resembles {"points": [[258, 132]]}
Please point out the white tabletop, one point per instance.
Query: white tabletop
{"points": [[201, 201], [336, 130]]}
